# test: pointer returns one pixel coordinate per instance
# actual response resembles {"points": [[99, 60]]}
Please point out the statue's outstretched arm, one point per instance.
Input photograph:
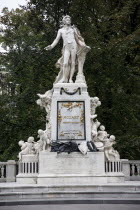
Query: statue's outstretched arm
{"points": [[49, 47]]}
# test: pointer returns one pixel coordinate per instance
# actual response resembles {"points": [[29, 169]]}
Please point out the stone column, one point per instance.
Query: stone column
{"points": [[126, 169], [11, 171]]}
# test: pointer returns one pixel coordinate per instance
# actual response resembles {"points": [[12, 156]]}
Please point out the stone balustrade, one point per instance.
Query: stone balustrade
{"points": [[3, 171], [113, 166], [28, 168], [131, 169], [28, 165], [9, 169], [134, 170]]}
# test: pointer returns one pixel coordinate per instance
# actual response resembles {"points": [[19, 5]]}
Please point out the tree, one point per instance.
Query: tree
{"points": [[112, 73]]}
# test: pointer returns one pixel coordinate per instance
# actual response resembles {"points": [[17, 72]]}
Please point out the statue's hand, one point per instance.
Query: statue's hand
{"points": [[49, 47]]}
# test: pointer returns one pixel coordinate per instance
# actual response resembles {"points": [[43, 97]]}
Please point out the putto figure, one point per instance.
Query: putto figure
{"points": [[74, 52], [27, 148]]}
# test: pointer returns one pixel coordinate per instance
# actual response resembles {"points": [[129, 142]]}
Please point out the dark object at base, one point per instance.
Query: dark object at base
{"points": [[92, 147], [64, 147], [70, 146]]}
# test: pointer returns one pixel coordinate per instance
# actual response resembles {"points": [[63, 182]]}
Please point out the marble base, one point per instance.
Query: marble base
{"points": [[26, 178], [66, 169], [70, 180], [75, 164], [73, 168]]}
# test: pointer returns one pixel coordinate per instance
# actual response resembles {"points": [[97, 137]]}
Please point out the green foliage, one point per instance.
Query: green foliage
{"points": [[111, 29]]}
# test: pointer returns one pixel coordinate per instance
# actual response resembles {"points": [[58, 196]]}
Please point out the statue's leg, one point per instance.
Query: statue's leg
{"points": [[19, 156], [107, 155], [65, 66], [73, 58], [111, 153], [44, 145]]}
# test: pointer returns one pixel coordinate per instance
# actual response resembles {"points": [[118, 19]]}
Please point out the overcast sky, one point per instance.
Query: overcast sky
{"points": [[11, 4]]}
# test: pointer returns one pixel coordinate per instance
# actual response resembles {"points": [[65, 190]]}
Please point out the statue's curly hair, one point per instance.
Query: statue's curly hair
{"points": [[62, 23]]}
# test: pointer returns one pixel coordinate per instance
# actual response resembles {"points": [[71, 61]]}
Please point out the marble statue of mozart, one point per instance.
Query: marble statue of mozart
{"points": [[73, 52]]}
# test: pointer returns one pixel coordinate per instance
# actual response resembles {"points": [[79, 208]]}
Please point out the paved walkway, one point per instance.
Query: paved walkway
{"points": [[74, 207]]}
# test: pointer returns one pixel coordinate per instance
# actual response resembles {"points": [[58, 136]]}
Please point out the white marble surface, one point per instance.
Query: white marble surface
{"points": [[29, 158], [71, 168], [70, 164], [27, 177], [132, 185], [74, 168], [64, 97], [74, 52], [71, 120]]}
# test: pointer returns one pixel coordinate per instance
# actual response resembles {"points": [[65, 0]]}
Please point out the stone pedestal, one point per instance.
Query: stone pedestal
{"points": [[70, 112], [74, 168]]}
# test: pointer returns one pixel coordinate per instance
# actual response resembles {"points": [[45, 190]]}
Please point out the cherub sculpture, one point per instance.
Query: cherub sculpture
{"points": [[94, 128], [110, 153], [94, 103], [102, 134], [45, 101], [100, 137], [27, 148], [38, 146], [45, 141]]}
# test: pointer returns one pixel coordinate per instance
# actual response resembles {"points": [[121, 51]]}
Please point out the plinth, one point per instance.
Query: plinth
{"points": [[70, 112], [71, 169]]}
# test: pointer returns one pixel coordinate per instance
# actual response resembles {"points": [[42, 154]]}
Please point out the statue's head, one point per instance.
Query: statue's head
{"points": [[66, 20], [112, 138], [96, 99], [102, 128], [40, 132], [30, 139], [20, 143]]}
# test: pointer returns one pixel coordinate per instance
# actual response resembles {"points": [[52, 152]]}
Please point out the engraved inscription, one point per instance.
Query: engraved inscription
{"points": [[71, 120]]}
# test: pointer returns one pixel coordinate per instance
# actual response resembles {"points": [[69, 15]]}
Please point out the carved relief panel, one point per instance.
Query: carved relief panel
{"points": [[71, 120]]}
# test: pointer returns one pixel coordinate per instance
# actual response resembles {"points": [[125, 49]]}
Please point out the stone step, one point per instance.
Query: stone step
{"points": [[52, 201], [67, 194], [121, 191], [70, 188]]}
